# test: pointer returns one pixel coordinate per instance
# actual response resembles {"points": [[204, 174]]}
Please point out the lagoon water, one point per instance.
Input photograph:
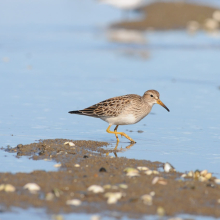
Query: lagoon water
{"points": [[55, 57]]}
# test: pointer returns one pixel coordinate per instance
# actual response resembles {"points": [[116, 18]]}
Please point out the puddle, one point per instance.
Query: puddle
{"points": [[39, 214], [10, 163]]}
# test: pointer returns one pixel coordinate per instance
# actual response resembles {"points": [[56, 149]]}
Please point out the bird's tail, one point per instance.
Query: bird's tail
{"points": [[75, 112]]}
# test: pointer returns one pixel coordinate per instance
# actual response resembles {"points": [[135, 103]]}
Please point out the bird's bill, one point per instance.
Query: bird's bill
{"points": [[161, 103]]}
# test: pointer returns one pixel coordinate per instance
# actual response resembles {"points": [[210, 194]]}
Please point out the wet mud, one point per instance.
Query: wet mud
{"points": [[89, 163], [169, 15]]}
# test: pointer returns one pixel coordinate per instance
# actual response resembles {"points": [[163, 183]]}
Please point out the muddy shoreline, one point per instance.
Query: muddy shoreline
{"points": [[88, 163], [169, 16]]}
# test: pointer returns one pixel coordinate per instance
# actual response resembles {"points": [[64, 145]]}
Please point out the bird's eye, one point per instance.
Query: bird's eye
{"points": [[151, 96]]}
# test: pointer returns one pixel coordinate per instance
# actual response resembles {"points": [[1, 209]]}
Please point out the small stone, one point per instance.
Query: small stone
{"points": [[108, 186], [57, 165], [149, 172], [49, 196], [183, 175], [218, 201], [76, 165], [142, 168], [57, 217], [216, 15], [85, 156], [204, 172], [168, 167], [152, 193], [190, 174], [208, 176], [113, 197], [71, 144], [217, 181], [211, 24], [202, 179], [96, 189], [162, 182], [123, 186], [160, 211], [147, 199], [95, 217], [9, 188], [132, 174], [102, 169], [32, 187], [155, 180], [2, 187], [75, 202], [155, 172], [130, 169]]}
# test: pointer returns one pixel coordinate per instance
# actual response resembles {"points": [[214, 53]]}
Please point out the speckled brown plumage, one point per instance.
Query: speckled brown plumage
{"points": [[122, 110]]}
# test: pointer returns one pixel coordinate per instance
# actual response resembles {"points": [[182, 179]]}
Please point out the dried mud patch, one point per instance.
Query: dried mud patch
{"points": [[80, 168], [168, 15]]}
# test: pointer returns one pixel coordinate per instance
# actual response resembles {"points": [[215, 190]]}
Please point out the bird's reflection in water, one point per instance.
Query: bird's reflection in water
{"points": [[115, 150]]}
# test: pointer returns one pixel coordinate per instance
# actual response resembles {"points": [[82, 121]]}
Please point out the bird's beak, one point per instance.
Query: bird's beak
{"points": [[161, 103]]}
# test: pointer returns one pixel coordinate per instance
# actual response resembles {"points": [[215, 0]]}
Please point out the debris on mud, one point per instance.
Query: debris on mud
{"points": [[89, 180]]}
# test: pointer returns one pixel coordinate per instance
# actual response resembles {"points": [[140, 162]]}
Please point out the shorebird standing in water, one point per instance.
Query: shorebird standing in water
{"points": [[123, 110]]}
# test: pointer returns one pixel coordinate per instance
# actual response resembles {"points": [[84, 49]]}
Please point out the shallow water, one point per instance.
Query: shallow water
{"points": [[62, 61], [37, 214]]}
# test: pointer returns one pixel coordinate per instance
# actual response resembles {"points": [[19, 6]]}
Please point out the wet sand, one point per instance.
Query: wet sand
{"points": [[88, 163], [169, 15]]}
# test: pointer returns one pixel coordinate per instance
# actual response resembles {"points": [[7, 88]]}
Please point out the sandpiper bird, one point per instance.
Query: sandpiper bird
{"points": [[123, 110]]}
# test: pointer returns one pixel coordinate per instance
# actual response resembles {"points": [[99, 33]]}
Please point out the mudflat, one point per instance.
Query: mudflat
{"points": [[128, 186]]}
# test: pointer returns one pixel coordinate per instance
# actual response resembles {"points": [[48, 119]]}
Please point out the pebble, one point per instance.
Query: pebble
{"points": [[76, 165], [102, 169], [49, 196], [152, 193], [211, 24], [168, 167], [142, 168], [57, 165], [193, 26], [96, 189], [113, 197], [217, 181], [32, 187], [216, 15], [123, 186], [160, 211], [149, 172], [71, 144], [95, 217], [147, 199], [75, 202], [155, 180], [7, 188], [108, 186], [132, 174]]}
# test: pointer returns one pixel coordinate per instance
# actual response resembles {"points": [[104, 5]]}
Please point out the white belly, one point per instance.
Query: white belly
{"points": [[121, 120]]}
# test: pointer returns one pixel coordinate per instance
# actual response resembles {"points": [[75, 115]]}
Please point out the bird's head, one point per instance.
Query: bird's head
{"points": [[153, 97]]}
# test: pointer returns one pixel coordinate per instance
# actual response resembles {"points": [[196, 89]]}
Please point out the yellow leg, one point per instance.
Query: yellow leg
{"points": [[121, 133], [115, 130]]}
